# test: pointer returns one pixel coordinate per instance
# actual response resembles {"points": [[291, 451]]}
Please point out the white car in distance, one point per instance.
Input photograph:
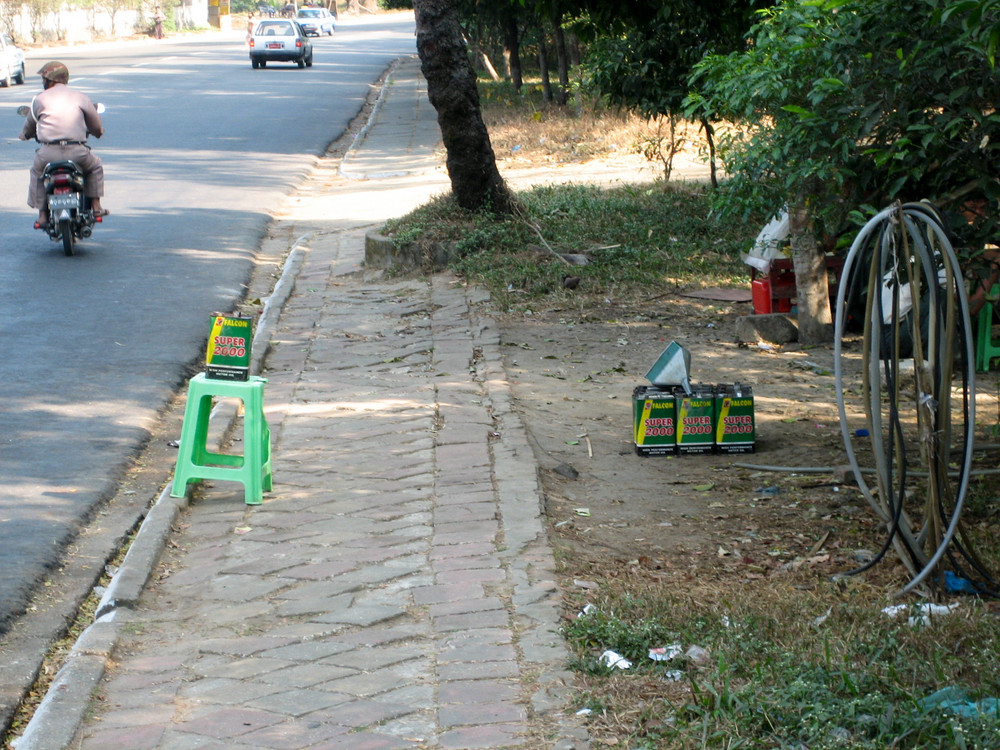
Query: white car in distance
{"points": [[11, 62]]}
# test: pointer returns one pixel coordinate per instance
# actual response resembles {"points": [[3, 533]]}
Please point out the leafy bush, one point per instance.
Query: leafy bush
{"points": [[855, 102]]}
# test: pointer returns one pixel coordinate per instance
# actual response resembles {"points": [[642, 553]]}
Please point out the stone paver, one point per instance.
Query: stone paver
{"points": [[371, 601]]}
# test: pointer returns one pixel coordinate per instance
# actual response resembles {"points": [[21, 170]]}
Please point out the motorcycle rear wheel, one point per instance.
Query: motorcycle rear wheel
{"points": [[66, 230]]}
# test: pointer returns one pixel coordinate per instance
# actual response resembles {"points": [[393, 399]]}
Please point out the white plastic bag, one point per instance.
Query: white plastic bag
{"points": [[765, 247]]}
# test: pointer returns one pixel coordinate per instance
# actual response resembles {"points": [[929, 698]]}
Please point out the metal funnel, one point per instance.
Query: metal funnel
{"points": [[671, 368]]}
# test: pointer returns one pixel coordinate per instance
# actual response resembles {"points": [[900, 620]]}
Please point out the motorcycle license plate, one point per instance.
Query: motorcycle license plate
{"points": [[58, 202], [275, 45]]}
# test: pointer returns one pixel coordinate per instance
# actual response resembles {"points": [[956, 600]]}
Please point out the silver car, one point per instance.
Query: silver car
{"points": [[11, 62], [280, 40]]}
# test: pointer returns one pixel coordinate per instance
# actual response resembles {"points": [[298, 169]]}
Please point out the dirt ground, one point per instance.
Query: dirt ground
{"points": [[573, 376], [614, 514]]}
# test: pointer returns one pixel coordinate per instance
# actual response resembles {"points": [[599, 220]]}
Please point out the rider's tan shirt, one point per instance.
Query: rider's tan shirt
{"points": [[62, 114]]}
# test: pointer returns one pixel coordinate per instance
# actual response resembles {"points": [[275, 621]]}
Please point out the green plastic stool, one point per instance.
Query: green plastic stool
{"points": [[195, 462], [986, 349]]}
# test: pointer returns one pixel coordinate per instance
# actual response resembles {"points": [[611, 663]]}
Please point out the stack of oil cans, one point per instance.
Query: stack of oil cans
{"points": [[695, 420]]}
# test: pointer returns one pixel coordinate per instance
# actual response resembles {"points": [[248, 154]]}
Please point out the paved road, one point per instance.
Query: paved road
{"points": [[199, 149]]}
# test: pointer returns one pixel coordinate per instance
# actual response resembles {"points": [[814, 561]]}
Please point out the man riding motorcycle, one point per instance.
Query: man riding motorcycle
{"points": [[60, 119]]}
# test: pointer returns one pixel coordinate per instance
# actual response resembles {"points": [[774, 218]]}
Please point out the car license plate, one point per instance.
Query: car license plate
{"points": [[57, 202], [275, 45]]}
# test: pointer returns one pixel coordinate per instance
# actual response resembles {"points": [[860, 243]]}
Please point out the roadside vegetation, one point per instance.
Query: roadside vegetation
{"points": [[809, 664], [640, 240], [798, 661]]}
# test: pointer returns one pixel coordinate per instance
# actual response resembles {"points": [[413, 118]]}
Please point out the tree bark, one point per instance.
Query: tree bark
{"points": [[543, 66], [710, 138], [451, 87], [512, 51], [812, 288], [562, 60], [573, 50]]}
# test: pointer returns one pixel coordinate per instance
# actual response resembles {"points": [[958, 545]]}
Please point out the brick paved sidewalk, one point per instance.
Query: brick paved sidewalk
{"points": [[395, 590]]}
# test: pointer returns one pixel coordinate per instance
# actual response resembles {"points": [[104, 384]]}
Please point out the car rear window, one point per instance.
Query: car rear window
{"points": [[274, 29]]}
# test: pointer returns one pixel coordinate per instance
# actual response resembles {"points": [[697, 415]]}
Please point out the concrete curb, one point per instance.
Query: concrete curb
{"points": [[348, 174], [62, 710], [127, 584], [527, 556], [268, 320]]}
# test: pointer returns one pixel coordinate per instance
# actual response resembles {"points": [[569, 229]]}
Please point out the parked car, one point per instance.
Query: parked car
{"points": [[317, 21], [280, 40], [11, 62]]}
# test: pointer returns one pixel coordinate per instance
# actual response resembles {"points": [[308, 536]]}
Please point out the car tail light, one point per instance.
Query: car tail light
{"points": [[298, 42], [251, 42]]}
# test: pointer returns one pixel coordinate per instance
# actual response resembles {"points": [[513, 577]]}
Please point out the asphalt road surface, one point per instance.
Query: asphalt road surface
{"points": [[199, 147]]}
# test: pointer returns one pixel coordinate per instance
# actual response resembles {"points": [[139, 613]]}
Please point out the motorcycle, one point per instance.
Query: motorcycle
{"points": [[71, 216]]}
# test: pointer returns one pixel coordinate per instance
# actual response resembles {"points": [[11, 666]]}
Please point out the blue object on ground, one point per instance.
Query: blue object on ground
{"points": [[954, 700], [954, 584]]}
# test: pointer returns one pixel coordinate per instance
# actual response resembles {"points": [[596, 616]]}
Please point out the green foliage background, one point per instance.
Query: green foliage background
{"points": [[857, 103]]}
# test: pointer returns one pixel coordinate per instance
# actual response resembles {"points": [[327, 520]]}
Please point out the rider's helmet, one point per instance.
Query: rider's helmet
{"points": [[54, 71]]}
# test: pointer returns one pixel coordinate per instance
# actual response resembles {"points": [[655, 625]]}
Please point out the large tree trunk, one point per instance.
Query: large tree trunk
{"points": [[451, 88], [562, 60], [512, 50], [543, 67], [812, 288]]}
